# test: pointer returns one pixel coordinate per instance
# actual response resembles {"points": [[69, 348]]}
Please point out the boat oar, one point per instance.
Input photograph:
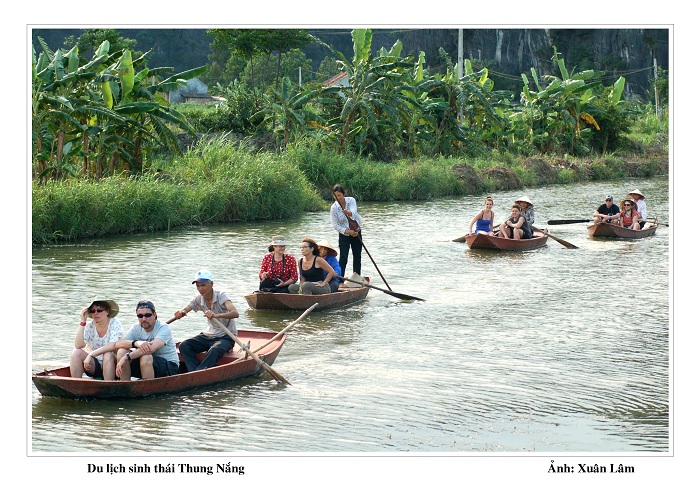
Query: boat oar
{"points": [[283, 331], [277, 376], [361, 241], [654, 221], [559, 240], [400, 296], [464, 238], [567, 221]]}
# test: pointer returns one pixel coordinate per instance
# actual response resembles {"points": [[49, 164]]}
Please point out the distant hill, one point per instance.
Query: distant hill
{"points": [[506, 52]]}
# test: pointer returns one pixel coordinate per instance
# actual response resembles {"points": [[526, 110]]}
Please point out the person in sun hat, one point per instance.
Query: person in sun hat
{"points": [[278, 269], [328, 252], [93, 354], [629, 217], [213, 340], [638, 197], [148, 347], [527, 208], [608, 212]]}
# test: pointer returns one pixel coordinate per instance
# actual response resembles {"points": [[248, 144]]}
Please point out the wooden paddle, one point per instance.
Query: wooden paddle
{"points": [[400, 296], [361, 241], [277, 376], [283, 331], [567, 221], [559, 240], [654, 221], [464, 238]]}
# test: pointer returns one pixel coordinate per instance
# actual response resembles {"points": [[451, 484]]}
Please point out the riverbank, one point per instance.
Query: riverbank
{"points": [[219, 182]]}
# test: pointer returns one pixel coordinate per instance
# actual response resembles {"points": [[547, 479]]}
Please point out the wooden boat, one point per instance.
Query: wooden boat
{"points": [[59, 383], [613, 231], [285, 301], [483, 241]]}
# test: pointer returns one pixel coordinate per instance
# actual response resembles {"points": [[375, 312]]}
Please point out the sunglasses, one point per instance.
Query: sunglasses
{"points": [[628, 205], [97, 310], [144, 315]]}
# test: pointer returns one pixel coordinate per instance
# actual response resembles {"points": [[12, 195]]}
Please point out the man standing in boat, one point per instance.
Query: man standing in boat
{"points": [[213, 340], [608, 212], [348, 223], [155, 354]]}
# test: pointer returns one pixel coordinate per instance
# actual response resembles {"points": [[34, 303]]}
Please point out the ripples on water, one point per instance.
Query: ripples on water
{"points": [[543, 351]]}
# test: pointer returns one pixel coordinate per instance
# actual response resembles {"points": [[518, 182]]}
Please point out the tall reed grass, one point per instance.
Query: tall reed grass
{"points": [[213, 184]]}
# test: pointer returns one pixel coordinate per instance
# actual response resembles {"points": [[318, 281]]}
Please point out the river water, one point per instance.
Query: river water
{"points": [[553, 350]]}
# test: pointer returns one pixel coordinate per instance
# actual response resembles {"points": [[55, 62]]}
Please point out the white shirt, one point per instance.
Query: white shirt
{"points": [[642, 208], [338, 218]]}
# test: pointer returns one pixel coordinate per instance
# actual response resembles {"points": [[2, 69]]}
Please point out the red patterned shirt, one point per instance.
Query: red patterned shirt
{"points": [[284, 270]]}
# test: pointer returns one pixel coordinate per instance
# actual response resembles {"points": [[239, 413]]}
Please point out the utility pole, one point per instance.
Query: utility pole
{"points": [[460, 66], [460, 55], [656, 91], [299, 76]]}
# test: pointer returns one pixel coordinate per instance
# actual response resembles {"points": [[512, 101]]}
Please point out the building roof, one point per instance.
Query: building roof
{"points": [[335, 79]]}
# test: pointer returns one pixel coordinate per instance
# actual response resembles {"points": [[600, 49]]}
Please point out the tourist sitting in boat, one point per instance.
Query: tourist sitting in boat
{"points": [[638, 197], [607, 212], [527, 208], [629, 217], [328, 252], [484, 219], [94, 352], [148, 348], [278, 269], [312, 269], [213, 340], [516, 227]]}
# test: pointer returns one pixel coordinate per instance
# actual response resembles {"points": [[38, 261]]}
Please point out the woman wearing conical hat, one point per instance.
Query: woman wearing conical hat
{"points": [[641, 205], [528, 209]]}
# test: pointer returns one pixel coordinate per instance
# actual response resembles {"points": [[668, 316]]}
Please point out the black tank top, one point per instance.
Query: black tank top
{"points": [[313, 274]]}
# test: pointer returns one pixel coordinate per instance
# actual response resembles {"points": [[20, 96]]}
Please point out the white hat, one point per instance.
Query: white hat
{"points": [[278, 241], [525, 199], [202, 276], [637, 192]]}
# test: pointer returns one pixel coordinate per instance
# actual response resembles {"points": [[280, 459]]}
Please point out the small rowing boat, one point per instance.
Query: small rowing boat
{"points": [[614, 231], [261, 300], [232, 366], [483, 241]]}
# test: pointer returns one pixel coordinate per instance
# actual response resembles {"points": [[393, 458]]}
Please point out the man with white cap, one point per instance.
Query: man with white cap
{"points": [[608, 212], [638, 197], [213, 340]]}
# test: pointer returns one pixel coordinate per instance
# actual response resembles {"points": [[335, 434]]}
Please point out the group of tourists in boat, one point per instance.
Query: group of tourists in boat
{"points": [[632, 215], [147, 350], [518, 226]]}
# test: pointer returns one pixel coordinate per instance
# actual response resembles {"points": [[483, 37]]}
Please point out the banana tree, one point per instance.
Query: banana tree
{"points": [[138, 98], [295, 110], [377, 104], [560, 114], [61, 94]]}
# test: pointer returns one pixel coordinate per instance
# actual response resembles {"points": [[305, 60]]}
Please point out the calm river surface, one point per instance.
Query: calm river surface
{"points": [[540, 351]]}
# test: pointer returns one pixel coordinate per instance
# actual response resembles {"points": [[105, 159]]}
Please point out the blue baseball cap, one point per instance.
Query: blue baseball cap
{"points": [[202, 276]]}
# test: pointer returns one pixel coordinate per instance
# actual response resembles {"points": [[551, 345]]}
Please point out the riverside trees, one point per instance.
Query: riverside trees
{"points": [[106, 111]]}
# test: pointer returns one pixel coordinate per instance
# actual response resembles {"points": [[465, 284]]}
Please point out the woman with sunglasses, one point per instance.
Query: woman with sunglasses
{"points": [[629, 217], [278, 269], [94, 352], [315, 273]]}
